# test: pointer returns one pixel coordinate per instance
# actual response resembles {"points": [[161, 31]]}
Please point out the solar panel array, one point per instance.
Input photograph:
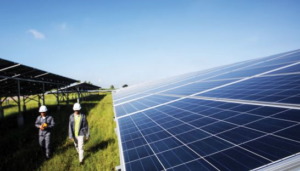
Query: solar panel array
{"points": [[32, 79], [236, 117]]}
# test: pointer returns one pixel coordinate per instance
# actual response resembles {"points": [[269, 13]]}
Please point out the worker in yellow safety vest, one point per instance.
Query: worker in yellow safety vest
{"points": [[78, 130]]}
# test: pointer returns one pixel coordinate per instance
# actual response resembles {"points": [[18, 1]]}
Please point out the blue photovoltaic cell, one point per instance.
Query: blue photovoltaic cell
{"points": [[176, 135], [197, 87], [236, 159], [292, 133], [140, 91], [285, 58], [148, 164], [240, 135], [194, 165], [291, 115], [144, 103], [273, 147], [176, 156], [281, 89], [295, 68], [170, 131], [247, 72], [163, 85]]}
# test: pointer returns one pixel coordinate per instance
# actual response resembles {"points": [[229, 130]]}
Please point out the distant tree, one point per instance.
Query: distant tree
{"points": [[112, 87], [125, 85]]}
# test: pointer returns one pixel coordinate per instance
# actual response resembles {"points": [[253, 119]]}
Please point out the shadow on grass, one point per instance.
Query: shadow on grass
{"points": [[19, 149], [9, 106], [100, 146]]}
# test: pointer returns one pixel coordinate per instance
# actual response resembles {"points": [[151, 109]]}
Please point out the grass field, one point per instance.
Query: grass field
{"points": [[12, 107], [19, 147]]}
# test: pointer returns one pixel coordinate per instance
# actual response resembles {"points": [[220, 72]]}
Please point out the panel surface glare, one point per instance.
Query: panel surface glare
{"points": [[237, 117]]}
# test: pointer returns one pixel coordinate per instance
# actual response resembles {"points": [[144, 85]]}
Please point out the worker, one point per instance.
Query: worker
{"points": [[78, 130], [45, 123]]}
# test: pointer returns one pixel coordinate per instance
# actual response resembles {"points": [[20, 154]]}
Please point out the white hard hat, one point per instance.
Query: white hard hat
{"points": [[43, 109], [76, 106]]}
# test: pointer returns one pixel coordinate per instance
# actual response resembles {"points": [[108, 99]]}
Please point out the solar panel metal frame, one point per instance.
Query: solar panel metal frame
{"points": [[268, 166], [12, 72], [82, 87]]}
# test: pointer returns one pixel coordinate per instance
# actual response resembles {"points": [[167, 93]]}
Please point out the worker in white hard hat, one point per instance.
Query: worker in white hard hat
{"points": [[78, 130], [45, 123]]}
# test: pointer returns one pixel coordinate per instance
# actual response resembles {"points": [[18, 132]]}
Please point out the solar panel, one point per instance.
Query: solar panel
{"points": [[243, 116], [31, 79]]}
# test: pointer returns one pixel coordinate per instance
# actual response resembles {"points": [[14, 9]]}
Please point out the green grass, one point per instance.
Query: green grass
{"points": [[19, 146]]}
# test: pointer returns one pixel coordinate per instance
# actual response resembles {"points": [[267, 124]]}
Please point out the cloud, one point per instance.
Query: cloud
{"points": [[99, 80], [36, 34]]}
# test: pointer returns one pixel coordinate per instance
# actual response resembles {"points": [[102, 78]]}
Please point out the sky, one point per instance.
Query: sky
{"points": [[117, 42]]}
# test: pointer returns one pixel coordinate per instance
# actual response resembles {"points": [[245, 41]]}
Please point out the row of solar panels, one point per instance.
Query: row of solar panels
{"points": [[241, 69], [31, 79], [237, 117]]}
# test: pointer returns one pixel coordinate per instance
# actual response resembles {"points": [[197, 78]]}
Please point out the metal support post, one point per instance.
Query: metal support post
{"points": [[57, 98], [39, 100], [78, 94], [44, 94], [67, 94], [1, 111], [24, 103], [20, 116]]}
